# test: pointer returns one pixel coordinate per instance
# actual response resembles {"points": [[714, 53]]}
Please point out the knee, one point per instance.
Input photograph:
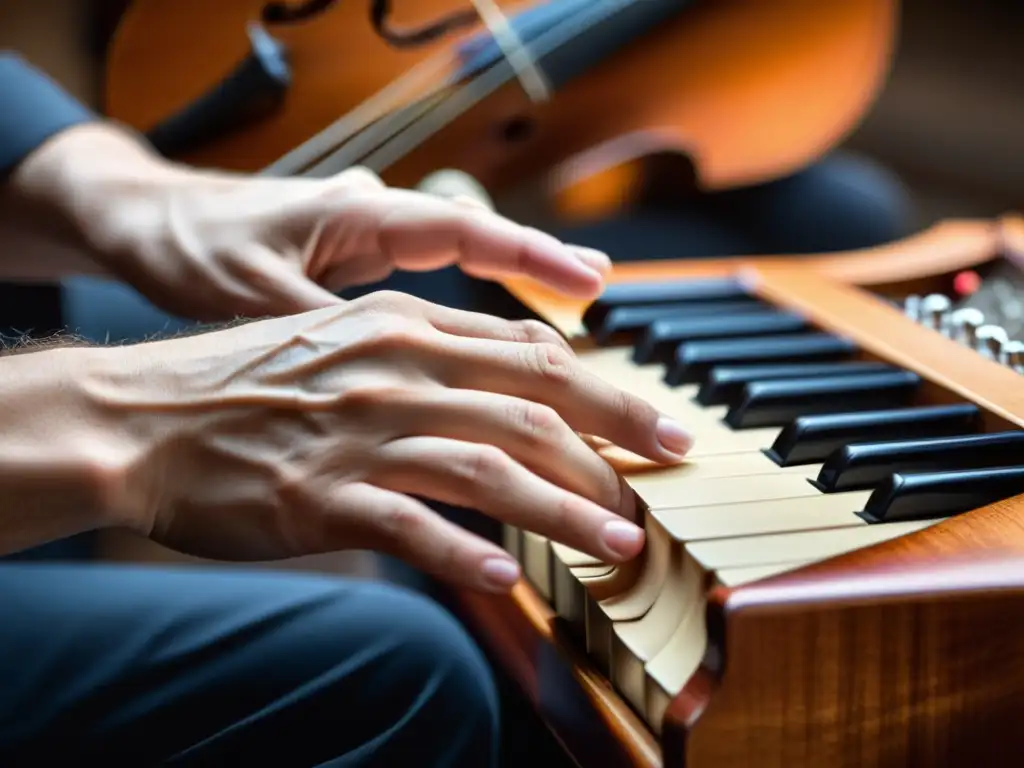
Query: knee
{"points": [[429, 677], [868, 195], [434, 652], [844, 202]]}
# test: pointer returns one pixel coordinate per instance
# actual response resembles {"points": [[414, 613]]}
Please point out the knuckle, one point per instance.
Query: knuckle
{"points": [[361, 177], [398, 338], [632, 410], [487, 466], [553, 364], [368, 402], [538, 423], [392, 301], [402, 524], [560, 517], [536, 331]]}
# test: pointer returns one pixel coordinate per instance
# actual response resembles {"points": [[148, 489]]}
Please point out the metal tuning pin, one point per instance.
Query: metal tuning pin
{"points": [[1013, 355], [935, 311], [912, 307], [990, 341], [964, 324]]}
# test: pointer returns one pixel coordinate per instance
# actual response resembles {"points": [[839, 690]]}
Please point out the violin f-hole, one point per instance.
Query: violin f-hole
{"points": [[285, 13], [279, 12]]}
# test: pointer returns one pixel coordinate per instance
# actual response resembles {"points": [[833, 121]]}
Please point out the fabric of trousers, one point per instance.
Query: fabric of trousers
{"points": [[137, 666], [140, 666]]}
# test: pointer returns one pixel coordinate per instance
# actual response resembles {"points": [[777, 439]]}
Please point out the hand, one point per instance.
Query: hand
{"points": [[318, 432], [265, 247], [214, 246]]}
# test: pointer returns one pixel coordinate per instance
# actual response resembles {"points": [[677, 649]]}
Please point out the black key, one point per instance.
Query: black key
{"points": [[666, 292], [940, 494], [724, 385], [863, 465], [627, 321], [659, 342], [810, 439], [775, 403], [695, 359]]}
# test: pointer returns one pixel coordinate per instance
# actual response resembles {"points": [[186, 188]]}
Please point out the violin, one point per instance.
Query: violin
{"points": [[561, 93]]}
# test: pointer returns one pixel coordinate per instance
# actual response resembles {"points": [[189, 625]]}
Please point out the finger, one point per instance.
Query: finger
{"points": [[283, 287], [421, 232], [533, 435], [362, 269], [596, 260], [544, 373], [358, 178], [477, 325], [396, 525], [486, 478]]}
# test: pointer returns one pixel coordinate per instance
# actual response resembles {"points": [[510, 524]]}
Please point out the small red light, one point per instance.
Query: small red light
{"points": [[966, 283]]}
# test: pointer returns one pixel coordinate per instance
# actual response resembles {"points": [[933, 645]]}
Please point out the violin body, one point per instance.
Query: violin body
{"points": [[748, 90]]}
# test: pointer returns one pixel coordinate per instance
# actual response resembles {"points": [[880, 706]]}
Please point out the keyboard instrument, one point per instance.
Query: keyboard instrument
{"points": [[833, 577]]}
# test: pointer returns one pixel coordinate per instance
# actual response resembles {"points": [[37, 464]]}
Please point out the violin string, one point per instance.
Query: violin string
{"points": [[400, 143], [354, 121], [352, 151], [482, 86], [530, 75]]}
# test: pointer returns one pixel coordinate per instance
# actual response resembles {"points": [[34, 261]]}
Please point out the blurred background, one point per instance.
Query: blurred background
{"points": [[950, 120], [949, 123]]}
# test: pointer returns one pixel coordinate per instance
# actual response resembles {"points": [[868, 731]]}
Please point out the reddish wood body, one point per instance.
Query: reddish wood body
{"points": [[749, 90], [902, 654]]}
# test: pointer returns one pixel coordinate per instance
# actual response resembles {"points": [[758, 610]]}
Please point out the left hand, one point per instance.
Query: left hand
{"points": [[216, 247]]}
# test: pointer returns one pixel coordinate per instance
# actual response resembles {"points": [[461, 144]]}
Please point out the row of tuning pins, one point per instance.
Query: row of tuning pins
{"points": [[966, 326]]}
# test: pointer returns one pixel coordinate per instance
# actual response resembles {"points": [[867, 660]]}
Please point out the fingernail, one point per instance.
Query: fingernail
{"points": [[500, 572], [622, 538], [594, 259], [673, 437]]}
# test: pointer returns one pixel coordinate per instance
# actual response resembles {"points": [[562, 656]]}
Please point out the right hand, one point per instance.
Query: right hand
{"points": [[317, 432]]}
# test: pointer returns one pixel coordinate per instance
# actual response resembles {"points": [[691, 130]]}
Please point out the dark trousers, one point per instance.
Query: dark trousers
{"points": [[135, 666], [148, 666]]}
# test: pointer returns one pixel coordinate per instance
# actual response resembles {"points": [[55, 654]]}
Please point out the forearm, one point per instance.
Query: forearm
{"points": [[67, 178], [74, 200], [57, 468]]}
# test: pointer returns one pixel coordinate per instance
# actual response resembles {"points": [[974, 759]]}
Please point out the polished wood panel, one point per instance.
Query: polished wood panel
{"points": [[901, 654], [912, 264]]}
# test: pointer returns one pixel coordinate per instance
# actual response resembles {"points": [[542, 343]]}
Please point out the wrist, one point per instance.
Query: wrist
{"points": [[95, 184], [62, 458]]}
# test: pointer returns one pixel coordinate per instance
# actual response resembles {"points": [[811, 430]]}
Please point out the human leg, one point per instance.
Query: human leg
{"points": [[841, 203], [139, 666]]}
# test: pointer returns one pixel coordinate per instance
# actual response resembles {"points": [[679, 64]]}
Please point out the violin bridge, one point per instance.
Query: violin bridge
{"points": [[517, 53]]}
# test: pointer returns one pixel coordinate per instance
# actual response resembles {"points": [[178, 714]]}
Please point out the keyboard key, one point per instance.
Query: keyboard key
{"points": [[662, 337], [863, 465], [622, 323], [695, 360], [810, 439], [775, 403], [905, 497], [724, 385], [665, 292]]}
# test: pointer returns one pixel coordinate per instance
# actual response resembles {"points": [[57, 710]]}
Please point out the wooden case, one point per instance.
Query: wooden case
{"points": [[907, 653]]}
